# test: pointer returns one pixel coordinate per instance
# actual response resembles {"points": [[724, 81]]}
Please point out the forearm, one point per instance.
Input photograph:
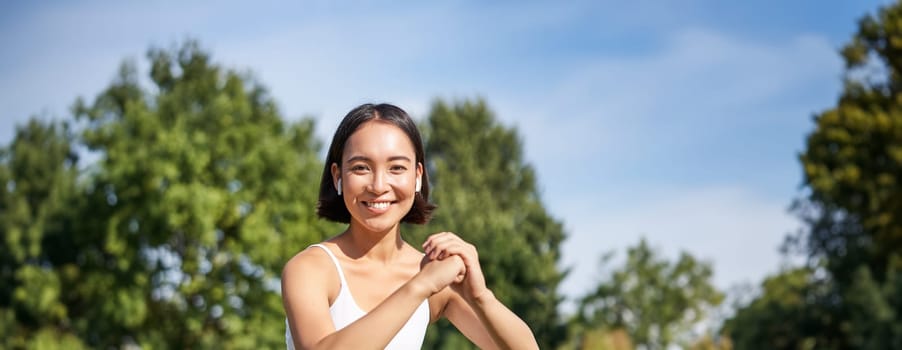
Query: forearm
{"points": [[377, 328], [506, 329]]}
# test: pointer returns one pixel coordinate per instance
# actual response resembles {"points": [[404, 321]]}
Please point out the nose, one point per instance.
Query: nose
{"points": [[378, 185]]}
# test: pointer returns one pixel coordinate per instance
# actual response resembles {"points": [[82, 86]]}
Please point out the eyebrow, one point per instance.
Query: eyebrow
{"points": [[367, 159]]}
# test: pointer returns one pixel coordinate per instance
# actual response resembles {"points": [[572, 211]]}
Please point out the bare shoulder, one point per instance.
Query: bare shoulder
{"points": [[311, 265], [309, 285], [311, 255]]}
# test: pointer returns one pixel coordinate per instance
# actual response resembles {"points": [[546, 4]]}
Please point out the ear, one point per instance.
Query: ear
{"points": [[419, 176], [336, 178]]}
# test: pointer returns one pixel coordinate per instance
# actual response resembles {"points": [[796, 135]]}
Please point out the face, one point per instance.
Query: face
{"points": [[378, 176]]}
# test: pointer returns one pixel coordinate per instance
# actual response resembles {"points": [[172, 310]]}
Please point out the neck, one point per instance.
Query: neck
{"points": [[373, 245]]}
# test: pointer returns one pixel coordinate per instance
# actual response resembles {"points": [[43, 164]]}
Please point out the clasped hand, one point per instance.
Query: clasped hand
{"points": [[451, 261]]}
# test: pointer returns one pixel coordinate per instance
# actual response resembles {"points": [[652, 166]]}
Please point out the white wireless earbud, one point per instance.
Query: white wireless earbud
{"points": [[419, 185], [338, 187]]}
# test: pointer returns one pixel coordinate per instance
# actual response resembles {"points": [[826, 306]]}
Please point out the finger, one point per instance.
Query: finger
{"points": [[456, 264], [470, 260], [429, 244], [462, 272], [444, 250], [442, 238], [434, 235], [466, 252], [437, 237], [438, 243]]}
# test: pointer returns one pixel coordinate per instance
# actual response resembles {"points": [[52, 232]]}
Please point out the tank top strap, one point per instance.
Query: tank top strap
{"points": [[341, 274]]}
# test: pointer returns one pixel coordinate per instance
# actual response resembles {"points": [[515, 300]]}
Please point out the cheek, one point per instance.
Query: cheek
{"points": [[407, 183], [348, 200]]}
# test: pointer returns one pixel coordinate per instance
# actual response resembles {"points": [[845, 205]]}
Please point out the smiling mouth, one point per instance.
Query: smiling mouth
{"points": [[377, 205]]}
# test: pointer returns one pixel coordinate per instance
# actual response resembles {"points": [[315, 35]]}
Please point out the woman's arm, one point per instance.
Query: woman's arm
{"points": [[473, 308], [305, 293]]}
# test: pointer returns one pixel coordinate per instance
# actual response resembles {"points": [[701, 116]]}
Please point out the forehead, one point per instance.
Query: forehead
{"points": [[378, 140]]}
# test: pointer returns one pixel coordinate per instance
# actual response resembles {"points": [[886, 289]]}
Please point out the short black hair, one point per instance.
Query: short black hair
{"points": [[330, 206]]}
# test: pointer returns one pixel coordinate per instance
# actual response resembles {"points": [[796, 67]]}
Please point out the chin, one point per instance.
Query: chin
{"points": [[380, 227]]}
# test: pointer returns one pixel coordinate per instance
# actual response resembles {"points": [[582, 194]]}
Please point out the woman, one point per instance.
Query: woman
{"points": [[367, 288]]}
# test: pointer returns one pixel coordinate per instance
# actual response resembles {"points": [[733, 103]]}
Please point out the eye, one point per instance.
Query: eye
{"points": [[359, 168], [397, 168]]}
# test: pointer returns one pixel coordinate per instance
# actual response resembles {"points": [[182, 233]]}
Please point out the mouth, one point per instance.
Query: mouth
{"points": [[378, 205]]}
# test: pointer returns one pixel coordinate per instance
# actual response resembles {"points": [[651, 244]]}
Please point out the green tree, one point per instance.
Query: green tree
{"points": [[709, 343], [487, 194], [782, 316], [38, 174], [596, 338], [177, 233], [657, 302], [853, 159], [852, 169]]}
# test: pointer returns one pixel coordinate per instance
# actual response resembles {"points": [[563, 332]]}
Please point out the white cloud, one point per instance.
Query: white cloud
{"points": [[324, 66], [699, 86]]}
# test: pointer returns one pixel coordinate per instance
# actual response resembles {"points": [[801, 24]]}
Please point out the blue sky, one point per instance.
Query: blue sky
{"points": [[678, 121]]}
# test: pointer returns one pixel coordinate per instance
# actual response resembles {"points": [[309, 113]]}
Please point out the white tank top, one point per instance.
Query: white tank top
{"points": [[344, 311]]}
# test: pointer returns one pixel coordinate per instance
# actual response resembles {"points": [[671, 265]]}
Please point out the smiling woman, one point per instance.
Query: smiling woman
{"points": [[396, 137], [366, 288]]}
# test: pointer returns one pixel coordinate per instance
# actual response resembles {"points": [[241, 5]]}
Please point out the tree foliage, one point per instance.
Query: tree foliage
{"points": [[853, 159], [656, 301], [174, 237], [852, 168], [781, 316], [596, 338], [488, 194], [38, 175]]}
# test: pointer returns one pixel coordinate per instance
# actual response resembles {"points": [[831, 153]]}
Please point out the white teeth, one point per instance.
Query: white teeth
{"points": [[378, 205]]}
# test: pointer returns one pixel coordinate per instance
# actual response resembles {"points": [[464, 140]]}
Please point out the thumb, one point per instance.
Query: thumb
{"points": [[461, 274]]}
